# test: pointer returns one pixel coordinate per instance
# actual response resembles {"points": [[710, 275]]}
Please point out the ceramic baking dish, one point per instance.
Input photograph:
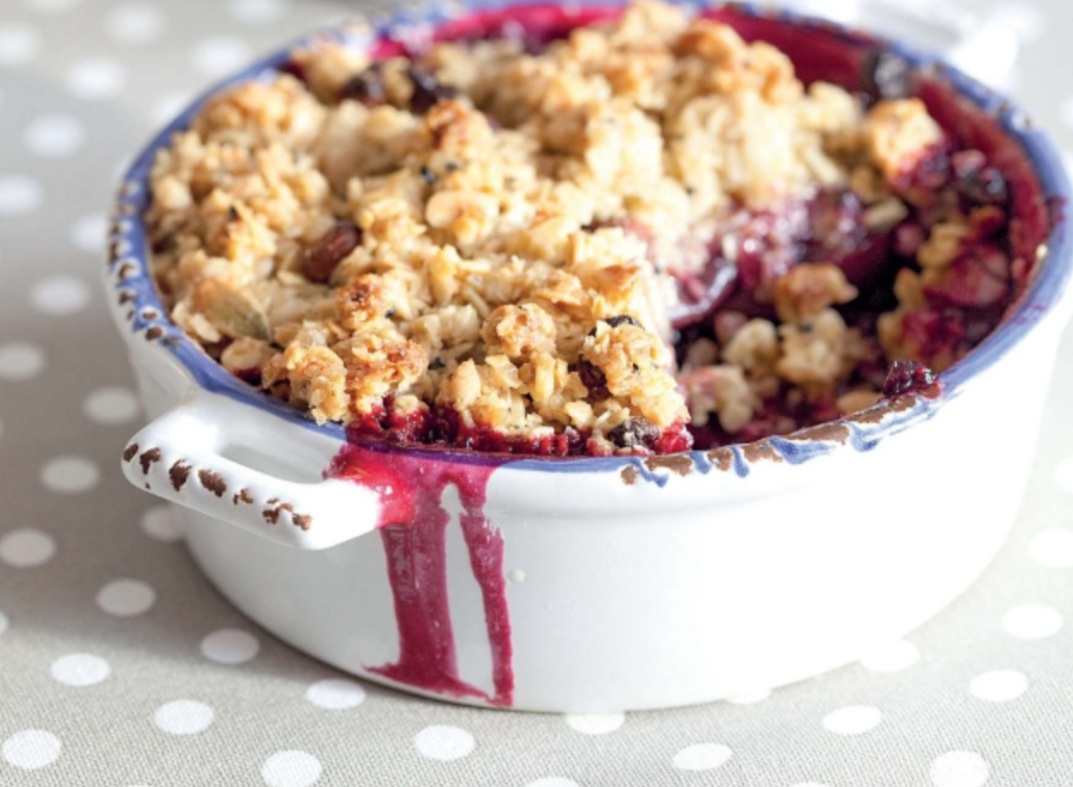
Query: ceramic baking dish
{"points": [[606, 584]]}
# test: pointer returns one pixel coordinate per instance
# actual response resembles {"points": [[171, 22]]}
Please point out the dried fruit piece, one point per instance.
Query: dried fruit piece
{"points": [[594, 380], [333, 247]]}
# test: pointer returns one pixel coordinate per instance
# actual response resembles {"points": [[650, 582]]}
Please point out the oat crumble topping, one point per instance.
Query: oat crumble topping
{"points": [[645, 233]]}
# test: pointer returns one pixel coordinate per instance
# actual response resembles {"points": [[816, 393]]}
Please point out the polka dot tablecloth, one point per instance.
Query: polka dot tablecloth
{"points": [[121, 666]]}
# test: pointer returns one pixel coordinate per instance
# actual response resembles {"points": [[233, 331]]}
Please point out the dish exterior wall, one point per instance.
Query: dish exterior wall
{"points": [[753, 583]]}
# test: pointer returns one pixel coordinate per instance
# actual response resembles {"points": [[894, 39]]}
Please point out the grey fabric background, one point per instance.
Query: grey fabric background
{"points": [[56, 177]]}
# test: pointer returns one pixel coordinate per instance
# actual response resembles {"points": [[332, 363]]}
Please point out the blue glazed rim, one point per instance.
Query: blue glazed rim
{"points": [[129, 271]]}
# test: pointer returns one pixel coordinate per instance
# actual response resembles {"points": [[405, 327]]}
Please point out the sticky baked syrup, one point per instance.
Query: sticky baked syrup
{"points": [[413, 522]]}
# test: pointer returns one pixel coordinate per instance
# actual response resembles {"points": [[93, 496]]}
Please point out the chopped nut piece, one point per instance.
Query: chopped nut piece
{"points": [[807, 290], [898, 133]]}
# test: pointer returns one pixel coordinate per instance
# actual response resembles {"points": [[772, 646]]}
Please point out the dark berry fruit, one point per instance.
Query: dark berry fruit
{"points": [[427, 90], [366, 87], [617, 320], [909, 236], [978, 183], [985, 187], [634, 433], [296, 70], [907, 377], [593, 378], [886, 75]]}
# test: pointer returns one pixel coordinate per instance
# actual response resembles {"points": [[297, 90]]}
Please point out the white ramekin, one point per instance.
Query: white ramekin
{"points": [[630, 583]]}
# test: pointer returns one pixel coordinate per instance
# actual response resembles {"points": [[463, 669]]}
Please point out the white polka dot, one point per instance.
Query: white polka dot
{"points": [[999, 685], [3, 623], [891, 657], [18, 44], [291, 769], [96, 78], [257, 12], [183, 717], [112, 405], [1052, 548], [701, 757], [134, 23], [166, 108], [516, 575], [51, 6], [32, 749], [1032, 621], [59, 295], [19, 195], [959, 769], [852, 720], [750, 697], [553, 781], [126, 597], [220, 55], [54, 136], [335, 694], [89, 233], [443, 742], [70, 474], [26, 547], [80, 669], [230, 646], [1063, 473], [162, 523], [20, 361], [596, 723]]}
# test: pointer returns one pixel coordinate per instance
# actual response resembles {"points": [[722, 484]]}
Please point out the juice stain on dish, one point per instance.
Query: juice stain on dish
{"points": [[413, 527]]}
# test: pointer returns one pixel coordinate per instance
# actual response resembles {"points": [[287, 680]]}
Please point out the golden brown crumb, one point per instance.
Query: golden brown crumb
{"points": [[806, 290]]}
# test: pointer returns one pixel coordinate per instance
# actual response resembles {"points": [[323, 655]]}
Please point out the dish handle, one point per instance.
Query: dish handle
{"points": [[208, 454]]}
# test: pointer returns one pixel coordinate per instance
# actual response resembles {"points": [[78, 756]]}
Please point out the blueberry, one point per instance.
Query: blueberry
{"points": [[617, 320], [634, 433], [984, 187], [886, 75], [366, 87], [427, 90], [906, 377]]}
